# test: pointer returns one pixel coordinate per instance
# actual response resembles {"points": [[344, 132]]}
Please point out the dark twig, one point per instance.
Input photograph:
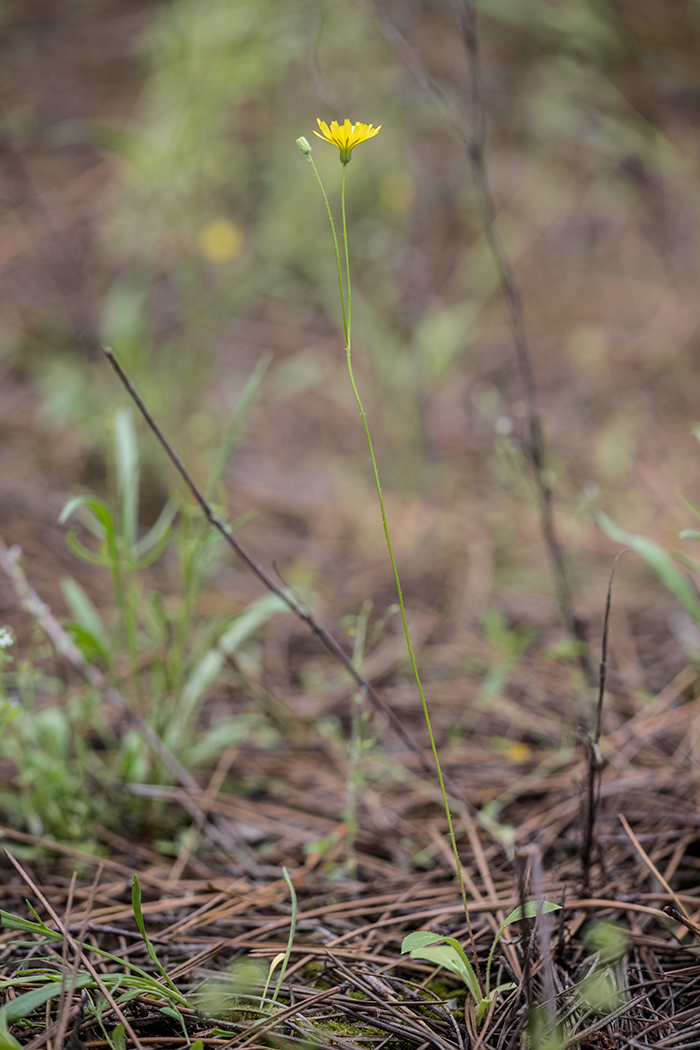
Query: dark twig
{"points": [[534, 441], [473, 139], [595, 759], [294, 606], [84, 330]]}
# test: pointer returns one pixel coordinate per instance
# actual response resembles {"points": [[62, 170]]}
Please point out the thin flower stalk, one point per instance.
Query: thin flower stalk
{"points": [[346, 138]]}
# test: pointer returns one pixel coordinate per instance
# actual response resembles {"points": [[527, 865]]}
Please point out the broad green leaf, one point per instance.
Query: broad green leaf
{"points": [[119, 1037], [449, 955], [419, 939], [445, 955], [659, 560], [470, 978]]}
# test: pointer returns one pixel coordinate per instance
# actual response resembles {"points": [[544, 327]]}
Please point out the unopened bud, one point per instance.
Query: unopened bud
{"points": [[304, 146]]}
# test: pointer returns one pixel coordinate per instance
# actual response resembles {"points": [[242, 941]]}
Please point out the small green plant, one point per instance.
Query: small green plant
{"points": [[9, 707], [123, 983], [283, 957], [163, 655], [603, 987], [167, 659], [662, 562], [423, 945], [665, 563]]}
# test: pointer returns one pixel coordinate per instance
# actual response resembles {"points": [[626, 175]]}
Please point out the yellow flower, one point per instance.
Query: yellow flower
{"points": [[346, 137], [220, 241]]}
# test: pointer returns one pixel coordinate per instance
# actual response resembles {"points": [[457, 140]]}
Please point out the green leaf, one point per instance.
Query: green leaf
{"points": [[89, 646], [86, 614], [126, 454], [692, 507], [7, 1041], [258, 613], [14, 922], [84, 553], [138, 915], [452, 959], [100, 521], [470, 977], [482, 1007], [685, 559], [419, 939], [532, 908], [25, 1004], [292, 929], [484, 1004], [659, 560], [148, 549], [207, 669], [119, 1037], [198, 681]]}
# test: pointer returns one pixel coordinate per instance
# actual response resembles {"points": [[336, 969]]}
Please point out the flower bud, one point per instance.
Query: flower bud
{"points": [[304, 146]]}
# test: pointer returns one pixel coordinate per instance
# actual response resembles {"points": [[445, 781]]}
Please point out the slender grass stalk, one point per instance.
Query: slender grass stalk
{"points": [[292, 929], [346, 307]]}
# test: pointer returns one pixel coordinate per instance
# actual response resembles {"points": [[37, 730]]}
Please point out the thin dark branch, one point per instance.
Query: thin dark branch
{"points": [[595, 760], [294, 606], [604, 649], [472, 136]]}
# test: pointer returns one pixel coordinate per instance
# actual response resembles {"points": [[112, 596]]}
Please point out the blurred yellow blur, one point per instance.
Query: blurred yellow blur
{"points": [[220, 241]]}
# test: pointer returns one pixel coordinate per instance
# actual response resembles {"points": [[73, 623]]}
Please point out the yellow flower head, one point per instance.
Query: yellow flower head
{"points": [[346, 137]]}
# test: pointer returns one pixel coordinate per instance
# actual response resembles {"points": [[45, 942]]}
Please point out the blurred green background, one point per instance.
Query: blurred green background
{"points": [[153, 198]]}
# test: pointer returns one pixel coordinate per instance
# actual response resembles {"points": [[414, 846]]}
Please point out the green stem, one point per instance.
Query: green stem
{"points": [[347, 263], [346, 327], [387, 536]]}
